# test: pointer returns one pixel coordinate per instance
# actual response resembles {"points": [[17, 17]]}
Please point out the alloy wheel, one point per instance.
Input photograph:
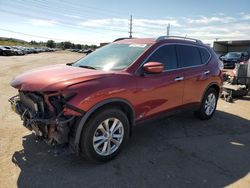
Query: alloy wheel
{"points": [[108, 136], [210, 104]]}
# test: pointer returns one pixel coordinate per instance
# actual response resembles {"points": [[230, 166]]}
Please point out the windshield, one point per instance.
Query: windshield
{"points": [[233, 55], [112, 57]]}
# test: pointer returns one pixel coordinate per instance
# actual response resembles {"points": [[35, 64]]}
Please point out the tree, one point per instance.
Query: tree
{"points": [[67, 45], [51, 44], [93, 47], [33, 42], [85, 47], [78, 46]]}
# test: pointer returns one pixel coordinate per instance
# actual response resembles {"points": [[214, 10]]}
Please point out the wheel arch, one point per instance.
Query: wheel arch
{"points": [[122, 104], [212, 85]]}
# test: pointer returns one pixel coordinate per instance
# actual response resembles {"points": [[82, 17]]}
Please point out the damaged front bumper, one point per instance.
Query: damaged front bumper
{"points": [[46, 117]]}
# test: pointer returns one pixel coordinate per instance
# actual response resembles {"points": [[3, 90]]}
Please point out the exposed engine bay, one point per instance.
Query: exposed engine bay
{"points": [[44, 114]]}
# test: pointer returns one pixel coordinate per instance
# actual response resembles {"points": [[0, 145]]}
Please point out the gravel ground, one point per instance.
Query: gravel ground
{"points": [[179, 151]]}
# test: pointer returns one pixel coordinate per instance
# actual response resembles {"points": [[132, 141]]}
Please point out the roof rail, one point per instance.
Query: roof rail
{"points": [[178, 37], [123, 38]]}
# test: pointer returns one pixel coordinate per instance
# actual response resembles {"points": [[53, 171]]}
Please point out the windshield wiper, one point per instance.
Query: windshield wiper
{"points": [[87, 67]]}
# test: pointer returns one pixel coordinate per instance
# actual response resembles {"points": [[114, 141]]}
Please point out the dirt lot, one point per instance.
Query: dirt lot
{"points": [[178, 151]]}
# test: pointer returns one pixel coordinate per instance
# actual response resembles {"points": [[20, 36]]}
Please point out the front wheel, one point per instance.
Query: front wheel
{"points": [[208, 104], [104, 135]]}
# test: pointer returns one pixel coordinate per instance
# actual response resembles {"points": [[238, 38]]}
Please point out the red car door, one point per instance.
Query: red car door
{"points": [[163, 91], [196, 72]]}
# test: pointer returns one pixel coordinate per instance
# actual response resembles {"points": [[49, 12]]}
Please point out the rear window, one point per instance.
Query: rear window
{"points": [[189, 55], [204, 55]]}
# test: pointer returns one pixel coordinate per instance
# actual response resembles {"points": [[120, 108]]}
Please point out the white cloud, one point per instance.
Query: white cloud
{"points": [[104, 22], [208, 20], [72, 16], [156, 22], [205, 28], [232, 31], [40, 22], [246, 17], [221, 14], [118, 22]]}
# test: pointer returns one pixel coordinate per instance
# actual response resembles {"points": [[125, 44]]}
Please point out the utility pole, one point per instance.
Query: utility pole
{"points": [[168, 30], [130, 26]]}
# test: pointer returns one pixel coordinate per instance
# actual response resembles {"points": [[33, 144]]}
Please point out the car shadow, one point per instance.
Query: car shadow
{"points": [[178, 151], [245, 98], [235, 99]]}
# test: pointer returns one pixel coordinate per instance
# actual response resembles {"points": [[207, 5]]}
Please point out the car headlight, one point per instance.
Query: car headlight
{"points": [[69, 95]]}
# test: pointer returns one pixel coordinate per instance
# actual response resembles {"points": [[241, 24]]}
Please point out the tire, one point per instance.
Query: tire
{"points": [[210, 97], [96, 128]]}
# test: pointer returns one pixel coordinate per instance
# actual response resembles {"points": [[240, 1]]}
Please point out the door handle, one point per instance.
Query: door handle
{"points": [[179, 78], [206, 72]]}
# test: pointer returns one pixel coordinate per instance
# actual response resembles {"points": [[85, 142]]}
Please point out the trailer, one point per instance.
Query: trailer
{"points": [[237, 84]]}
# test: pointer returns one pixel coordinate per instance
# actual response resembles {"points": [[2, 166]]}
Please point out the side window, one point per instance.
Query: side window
{"points": [[204, 55], [189, 55], [165, 55]]}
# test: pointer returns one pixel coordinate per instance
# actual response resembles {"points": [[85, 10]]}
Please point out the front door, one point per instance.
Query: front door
{"points": [[163, 91]]}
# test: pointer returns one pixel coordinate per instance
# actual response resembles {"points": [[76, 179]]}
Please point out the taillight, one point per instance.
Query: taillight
{"points": [[221, 65]]}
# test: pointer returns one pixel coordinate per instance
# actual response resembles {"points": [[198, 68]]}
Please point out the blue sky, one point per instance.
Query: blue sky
{"points": [[97, 21]]}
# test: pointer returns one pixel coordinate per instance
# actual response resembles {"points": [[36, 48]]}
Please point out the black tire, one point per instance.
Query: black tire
{"points": [[201, 112], [89, 130]]}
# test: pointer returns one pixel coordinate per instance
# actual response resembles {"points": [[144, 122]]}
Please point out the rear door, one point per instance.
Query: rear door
{"points": [[193, 60]]}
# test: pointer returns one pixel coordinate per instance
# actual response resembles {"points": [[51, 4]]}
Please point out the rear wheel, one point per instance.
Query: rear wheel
{"points": [[208, 104], [104, 135]]}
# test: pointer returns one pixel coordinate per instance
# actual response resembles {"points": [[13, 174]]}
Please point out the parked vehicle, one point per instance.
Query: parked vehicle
{"points": [[93, 104], [5, 51], [17, 50], [20, 50], [88, 51], [231, 58]]}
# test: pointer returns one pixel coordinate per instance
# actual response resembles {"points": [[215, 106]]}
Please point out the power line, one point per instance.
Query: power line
{"points": [[63, 23], [76, 8], [43, 37], [78, 5], [60, 7]]}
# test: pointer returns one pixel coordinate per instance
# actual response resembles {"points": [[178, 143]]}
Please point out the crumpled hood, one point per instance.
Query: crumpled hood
{"points": [[55, 77]]}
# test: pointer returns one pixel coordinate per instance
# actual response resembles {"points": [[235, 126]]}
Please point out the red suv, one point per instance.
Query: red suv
{"points": [[93, 104]]}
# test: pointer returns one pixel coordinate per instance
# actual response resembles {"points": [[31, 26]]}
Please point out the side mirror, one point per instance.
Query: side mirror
{"points": [[153, 67]]}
